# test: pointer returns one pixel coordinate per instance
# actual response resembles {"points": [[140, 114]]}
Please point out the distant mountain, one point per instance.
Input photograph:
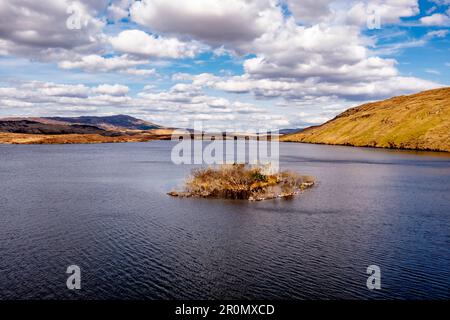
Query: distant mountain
{"points": [[289, 131], [420, 122], [121, 128], [33, 127], [119, 122], [108, 123]]}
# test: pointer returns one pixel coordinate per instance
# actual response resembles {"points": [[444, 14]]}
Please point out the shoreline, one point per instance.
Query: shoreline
{"points": [[369, 146], [39, 139], [302, 188], [42, 139]]}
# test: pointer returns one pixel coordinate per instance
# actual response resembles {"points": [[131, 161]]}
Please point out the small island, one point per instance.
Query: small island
{"points": [[240, 181]]}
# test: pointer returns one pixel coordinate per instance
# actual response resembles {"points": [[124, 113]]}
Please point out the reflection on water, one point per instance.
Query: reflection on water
{"points": [[104, 208]]}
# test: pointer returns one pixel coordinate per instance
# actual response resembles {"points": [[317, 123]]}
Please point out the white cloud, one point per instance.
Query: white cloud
{"points": [[181, 76], [437, 34], [332, 55], [119, 9], [47, 98], [58, 90], [394, 48], [140, 72], [310, 11], [432, 71], [97, 63], [39, 29], [437, 19], [143, 44], [388, 11], [312, 119], [177, 106], [212, 21], [112, 90], [293, 90], [329, 53]]}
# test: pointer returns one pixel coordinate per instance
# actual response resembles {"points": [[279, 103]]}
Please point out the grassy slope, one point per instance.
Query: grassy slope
{"points": [[420, 121]]}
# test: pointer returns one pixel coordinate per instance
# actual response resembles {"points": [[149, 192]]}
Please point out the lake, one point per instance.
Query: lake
{"points": [[104, 208]]}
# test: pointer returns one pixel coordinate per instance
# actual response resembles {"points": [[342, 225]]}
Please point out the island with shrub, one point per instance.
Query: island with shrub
{"points": [[240, 181]]}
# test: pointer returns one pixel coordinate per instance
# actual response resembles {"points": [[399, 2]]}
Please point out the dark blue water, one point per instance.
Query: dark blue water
{"points": [[105, 208]]}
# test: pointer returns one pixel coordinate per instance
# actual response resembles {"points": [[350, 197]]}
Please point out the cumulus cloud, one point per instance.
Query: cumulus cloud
{"points": [[297, 61], [47, 98], [319, 51], [97, 63], [312, 90], [437, 19], [37, 28], [387, 10], [310, 11], [143, 44], [184, 103], [48, 89], [323, 51], [119, 9], [37, 92], [177, 106], [112, 90], [139, 72], [215, 22]]}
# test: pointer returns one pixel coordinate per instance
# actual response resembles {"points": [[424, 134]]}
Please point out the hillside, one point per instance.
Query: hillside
{"points": [[34, 127], [38, 130], [117, 122], [420, 122]]}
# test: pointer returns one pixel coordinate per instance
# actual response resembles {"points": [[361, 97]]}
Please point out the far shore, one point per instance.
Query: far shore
{"points": [[30, 139], [369, 146], [26, 138]]}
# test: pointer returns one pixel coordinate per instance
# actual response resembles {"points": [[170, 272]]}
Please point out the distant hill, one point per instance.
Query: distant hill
{"points": [[34, 127], [289, 131], [119, 122], [85, 129], [420, 122]]}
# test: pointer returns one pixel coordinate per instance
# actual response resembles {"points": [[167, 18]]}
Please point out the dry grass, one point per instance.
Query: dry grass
{"points": [[21, 138], [243, 182], [419, 122]]}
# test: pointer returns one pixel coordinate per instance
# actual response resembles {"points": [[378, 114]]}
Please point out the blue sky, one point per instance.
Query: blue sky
{"points": [[262, 63]]}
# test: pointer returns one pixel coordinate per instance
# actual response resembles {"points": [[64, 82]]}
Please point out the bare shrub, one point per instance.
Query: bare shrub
{"points": [[240, 181]]}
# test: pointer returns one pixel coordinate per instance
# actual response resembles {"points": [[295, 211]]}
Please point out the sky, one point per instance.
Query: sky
{"points": [[232, 64]]}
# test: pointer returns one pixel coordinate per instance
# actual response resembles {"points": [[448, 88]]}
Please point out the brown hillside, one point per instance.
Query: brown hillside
{"points": [[420, 122]]}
